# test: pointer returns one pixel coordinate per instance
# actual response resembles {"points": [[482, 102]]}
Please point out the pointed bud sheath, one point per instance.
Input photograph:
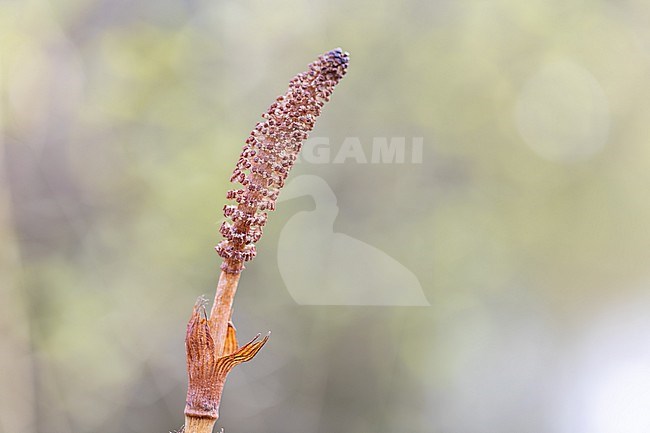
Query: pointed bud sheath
{"points": [[269, 154], [203, 393], [207, 370]]}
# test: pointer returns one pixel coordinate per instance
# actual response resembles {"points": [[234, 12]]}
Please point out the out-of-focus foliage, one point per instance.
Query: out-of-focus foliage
{"points": [[525, 222]]}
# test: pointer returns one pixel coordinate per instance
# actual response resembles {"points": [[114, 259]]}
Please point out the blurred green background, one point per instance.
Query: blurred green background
{"points": [[526, 221]]}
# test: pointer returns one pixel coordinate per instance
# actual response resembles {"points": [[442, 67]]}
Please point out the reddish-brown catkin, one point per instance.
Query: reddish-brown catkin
{"points": [[270, 152]]}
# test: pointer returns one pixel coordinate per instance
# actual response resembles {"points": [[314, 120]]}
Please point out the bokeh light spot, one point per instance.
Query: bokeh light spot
{"points": [[562, 113]]}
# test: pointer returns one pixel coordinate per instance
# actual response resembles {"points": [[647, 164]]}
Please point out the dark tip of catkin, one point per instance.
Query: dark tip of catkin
{"points": [[339, 56]]}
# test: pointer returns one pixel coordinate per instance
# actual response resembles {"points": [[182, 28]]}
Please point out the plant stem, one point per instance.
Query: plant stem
{"points": [[221, 312], [218, 323], [198, 425]]}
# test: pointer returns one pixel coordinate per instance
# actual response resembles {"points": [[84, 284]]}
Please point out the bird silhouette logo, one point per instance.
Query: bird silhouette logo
{"points": [[322, 267]]}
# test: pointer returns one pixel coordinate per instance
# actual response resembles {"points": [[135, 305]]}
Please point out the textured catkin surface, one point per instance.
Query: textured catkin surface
{"points": [[269, 154]]}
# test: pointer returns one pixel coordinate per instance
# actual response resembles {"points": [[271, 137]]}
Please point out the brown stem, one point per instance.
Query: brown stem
{"points": [[198, 421], [222, 309], [198, 425]]}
